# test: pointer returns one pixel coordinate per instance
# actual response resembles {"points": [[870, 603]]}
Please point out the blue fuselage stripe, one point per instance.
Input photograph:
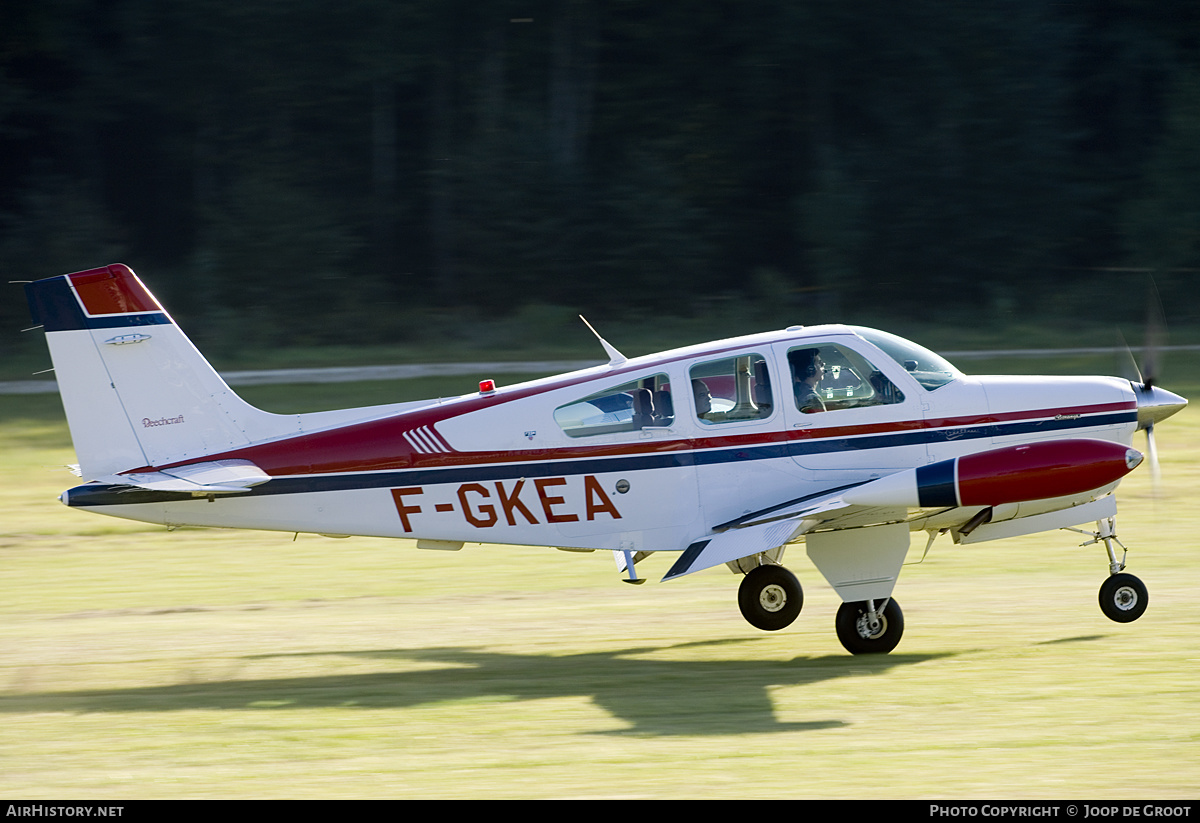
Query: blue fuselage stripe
{"points": [[103, 494]]}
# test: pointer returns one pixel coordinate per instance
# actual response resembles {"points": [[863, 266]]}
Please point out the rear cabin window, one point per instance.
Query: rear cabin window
{"points": [[828, 378], [731, 389], [638, 404]]}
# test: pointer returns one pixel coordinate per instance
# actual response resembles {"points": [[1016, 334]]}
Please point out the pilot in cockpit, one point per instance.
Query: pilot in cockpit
{"points": [[807, 371]]}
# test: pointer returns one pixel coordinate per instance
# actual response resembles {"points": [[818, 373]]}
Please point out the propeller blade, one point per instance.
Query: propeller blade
{"points": [[1155, 332], [1154, 404], [1127, 365], [1152, 459]]}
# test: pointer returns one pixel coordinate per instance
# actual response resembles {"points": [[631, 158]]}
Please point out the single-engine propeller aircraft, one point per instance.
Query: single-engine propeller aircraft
{"points": [[845, 439]]}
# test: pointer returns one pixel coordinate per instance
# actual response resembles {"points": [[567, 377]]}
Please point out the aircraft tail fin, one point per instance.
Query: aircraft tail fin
{"points": [[136, 392]]}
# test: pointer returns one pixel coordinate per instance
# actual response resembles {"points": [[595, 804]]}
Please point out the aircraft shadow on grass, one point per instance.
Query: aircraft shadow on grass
{"points": [[653, 696]]}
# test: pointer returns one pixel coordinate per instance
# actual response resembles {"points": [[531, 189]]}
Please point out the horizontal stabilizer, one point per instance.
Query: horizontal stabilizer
{"points": [[213, 477]]}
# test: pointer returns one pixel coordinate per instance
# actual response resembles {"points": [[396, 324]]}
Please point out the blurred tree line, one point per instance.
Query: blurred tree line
{"points": [[308, 171]]}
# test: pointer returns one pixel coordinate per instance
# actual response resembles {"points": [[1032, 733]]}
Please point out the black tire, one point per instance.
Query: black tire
{"points": [[1123, 598], [858, 637], [770, 598]]}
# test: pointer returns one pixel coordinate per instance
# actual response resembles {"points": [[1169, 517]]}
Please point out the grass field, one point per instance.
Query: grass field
{"points": [[137, 663]]}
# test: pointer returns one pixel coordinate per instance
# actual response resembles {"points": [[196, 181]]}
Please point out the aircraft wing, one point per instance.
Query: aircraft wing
{"points": [[212, 477], [1010, 474], [830, 510]]}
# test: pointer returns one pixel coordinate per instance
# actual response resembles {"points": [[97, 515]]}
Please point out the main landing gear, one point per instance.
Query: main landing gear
{"points": [[1123, 597], [870, 626], [770, 598]]}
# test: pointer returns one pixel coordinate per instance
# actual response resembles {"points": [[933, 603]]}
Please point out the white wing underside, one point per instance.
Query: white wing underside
{"points": [[878, 531], [787, 525]]}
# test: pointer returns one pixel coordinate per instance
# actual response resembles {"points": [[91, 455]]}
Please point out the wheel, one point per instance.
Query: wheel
{"points": [[854, 628], [770, 598], [1123, 598]]}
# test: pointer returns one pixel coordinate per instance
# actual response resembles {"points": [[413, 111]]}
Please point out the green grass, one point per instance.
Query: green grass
{"points": [[138, 663]]}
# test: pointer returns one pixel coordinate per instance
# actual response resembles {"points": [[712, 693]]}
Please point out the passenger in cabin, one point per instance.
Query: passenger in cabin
{"points": [[807, 370], [703, 399]]}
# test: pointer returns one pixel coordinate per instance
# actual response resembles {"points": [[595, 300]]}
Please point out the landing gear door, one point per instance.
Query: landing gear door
{"points": [[848, 411]]}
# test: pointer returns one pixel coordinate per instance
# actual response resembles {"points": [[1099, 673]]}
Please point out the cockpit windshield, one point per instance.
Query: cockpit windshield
{"points": [[930, 370]]}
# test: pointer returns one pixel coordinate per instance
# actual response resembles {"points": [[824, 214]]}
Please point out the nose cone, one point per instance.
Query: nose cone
{"points": [[1155, 404]]}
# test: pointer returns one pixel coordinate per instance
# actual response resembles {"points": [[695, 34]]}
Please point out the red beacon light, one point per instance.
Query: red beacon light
{"points": [[487, 386]]}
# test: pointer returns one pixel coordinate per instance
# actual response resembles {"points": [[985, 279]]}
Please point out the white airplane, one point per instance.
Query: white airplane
{"points": [[845, 439]]}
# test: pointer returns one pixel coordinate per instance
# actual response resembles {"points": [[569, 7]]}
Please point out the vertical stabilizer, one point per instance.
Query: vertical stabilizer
{"points": [[136, 391]]}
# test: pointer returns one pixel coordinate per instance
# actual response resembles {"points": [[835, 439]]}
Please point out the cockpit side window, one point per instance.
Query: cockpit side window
{"points": [[930, 370], [642, 403], [731, 389], [828, 378]]}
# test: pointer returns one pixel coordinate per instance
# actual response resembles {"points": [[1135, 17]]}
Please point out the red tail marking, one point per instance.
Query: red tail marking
{"points": [[113, 289]]}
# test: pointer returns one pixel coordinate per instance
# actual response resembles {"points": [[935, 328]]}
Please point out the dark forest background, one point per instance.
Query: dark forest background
{"points": [[308, 172]]}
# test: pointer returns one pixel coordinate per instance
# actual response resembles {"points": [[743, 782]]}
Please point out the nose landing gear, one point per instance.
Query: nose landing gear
{"points": [[1123, 597]]}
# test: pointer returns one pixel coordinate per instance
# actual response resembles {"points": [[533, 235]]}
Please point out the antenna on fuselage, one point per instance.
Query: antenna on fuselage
{"points": [[615, 358]]}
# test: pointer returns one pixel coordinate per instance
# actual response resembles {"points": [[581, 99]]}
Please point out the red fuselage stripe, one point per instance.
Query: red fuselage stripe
{"points": [[381, 445]]}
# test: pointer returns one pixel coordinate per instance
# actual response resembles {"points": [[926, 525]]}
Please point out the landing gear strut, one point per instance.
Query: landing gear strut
{"points": [[770, 597], [1123, 597]]}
